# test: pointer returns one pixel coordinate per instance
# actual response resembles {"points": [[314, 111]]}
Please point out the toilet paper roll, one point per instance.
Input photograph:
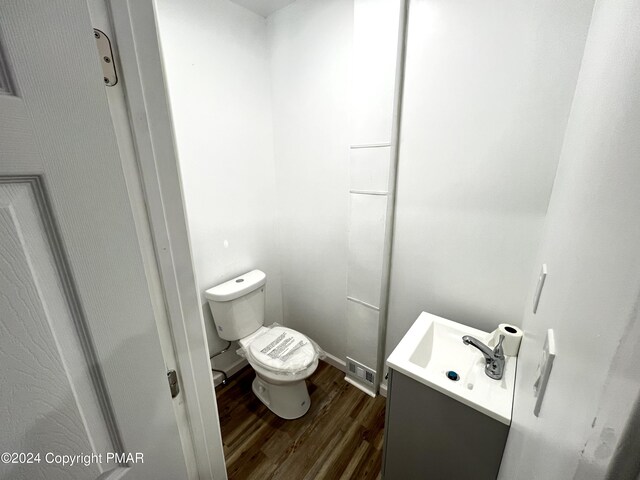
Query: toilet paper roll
{"points": [[512, 338]]}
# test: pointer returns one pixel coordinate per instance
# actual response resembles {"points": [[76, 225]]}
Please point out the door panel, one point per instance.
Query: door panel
{"points": [[48, 396], [78, 327]]}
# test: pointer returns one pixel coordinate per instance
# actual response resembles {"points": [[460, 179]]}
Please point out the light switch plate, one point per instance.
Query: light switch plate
{"points": [[544, 370], [541, 279]]}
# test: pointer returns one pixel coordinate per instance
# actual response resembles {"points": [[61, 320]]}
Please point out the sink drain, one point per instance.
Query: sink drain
{"points": [[451, 375]]}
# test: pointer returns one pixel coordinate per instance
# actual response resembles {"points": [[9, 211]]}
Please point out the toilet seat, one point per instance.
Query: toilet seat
{"points": [[279, 350]]}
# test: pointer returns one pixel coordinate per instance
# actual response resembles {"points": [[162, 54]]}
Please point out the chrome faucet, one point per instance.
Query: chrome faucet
{"points": [[494, 359]]}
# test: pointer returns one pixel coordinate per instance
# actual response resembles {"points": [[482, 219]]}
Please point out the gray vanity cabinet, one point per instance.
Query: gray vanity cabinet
{"points": [[430, 436]]}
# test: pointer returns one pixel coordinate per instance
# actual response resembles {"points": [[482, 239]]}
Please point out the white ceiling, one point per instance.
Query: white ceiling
{"points": [[263, 7]]}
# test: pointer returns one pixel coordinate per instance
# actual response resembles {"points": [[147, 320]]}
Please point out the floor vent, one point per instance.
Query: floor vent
{"points": [[360, 372]]}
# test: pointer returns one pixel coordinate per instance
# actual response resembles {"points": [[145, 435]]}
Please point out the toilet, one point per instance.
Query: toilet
{"points": [[281, 357]]}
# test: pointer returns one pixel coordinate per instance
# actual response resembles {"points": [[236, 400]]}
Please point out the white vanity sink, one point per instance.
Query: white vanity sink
{"points": [[433, 346]]}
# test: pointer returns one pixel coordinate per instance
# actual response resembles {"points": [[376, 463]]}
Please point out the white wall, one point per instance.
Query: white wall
{"points": [[592, 294], [488, 88], [218, 78], [309, 45]]}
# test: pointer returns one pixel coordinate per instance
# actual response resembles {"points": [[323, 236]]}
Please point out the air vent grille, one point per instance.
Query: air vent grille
{"points": [[360, 372]]}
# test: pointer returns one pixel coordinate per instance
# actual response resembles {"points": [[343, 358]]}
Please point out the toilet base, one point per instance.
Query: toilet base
{"points": [[288, 401]]}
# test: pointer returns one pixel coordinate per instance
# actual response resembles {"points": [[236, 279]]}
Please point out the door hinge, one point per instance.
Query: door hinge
{"points": [[172, 376], [106, 58]]}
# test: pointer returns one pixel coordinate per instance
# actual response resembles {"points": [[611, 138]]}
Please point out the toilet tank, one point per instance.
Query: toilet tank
{"points": [[238, 305]]}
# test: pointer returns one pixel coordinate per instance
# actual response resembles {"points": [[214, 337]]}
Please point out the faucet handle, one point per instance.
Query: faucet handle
{"points": [[498, 352]]}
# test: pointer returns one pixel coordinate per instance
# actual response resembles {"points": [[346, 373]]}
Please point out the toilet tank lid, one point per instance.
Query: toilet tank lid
{"points": [[236, 287]]}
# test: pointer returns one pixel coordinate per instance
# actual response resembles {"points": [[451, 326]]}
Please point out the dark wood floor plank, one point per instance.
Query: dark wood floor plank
{"points": [[319, 436], [335, 463], [369, 468], [339, 438], [358, 457]]}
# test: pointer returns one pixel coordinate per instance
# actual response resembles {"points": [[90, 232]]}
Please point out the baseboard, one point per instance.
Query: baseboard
{"points": [[335, 362], [361, 387], [383, 389], [230, 370], [341, 365], [240, 363]]}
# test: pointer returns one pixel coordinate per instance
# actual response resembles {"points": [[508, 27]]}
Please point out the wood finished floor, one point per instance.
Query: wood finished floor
{"points": [[339, 438]]}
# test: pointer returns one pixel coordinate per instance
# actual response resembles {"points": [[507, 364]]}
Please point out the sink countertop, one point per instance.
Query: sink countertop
{"points": [[433, 346]]}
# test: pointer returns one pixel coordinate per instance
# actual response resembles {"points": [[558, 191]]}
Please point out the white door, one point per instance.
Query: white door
{"points": [[81, 371]]}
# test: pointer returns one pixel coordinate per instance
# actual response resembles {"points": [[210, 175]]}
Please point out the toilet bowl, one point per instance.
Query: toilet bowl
{"points": [[281, 357]]}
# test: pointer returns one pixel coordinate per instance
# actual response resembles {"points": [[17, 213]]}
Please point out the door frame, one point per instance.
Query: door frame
{"points": [[138, 46]]}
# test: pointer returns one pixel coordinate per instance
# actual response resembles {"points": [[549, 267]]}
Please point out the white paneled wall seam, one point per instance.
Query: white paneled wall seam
{"points": [[371, 179], [365, 304], [370, 145], [367, 192]]}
